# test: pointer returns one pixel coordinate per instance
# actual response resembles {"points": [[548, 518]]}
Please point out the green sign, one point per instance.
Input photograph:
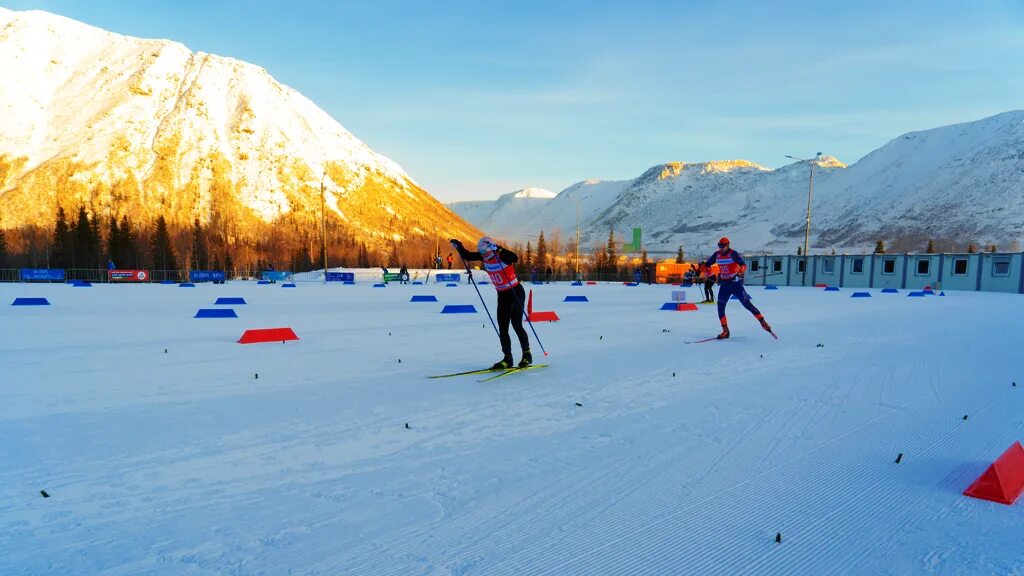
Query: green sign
{"points": [[633, 246]]}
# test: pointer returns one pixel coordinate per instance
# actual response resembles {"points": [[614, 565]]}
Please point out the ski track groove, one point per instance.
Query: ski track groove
{"points": [[557, 511], [752, 560]]}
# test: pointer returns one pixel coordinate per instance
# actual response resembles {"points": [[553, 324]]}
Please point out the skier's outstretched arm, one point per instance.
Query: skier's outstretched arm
{"points": [[466, 254]]}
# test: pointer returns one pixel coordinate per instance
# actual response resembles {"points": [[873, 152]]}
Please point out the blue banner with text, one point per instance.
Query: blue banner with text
{"points": [[206, 276], [275, 276], [41, 274]]}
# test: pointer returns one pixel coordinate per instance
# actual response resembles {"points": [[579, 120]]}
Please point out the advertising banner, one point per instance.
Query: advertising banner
{"points": [[206, 276], [42, 274], [341, 276], [128, 275], [447, 277]]}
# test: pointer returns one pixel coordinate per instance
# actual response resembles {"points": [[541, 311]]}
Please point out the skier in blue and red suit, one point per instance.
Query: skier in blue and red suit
{"points": [[498, 263], [730, 281]]}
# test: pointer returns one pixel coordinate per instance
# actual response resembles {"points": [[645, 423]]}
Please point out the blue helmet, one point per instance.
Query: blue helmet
{"points": [[485, 245]]}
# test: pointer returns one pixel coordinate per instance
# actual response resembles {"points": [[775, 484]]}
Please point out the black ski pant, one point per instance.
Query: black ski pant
{"points": [[510, 311], [709, 292]]}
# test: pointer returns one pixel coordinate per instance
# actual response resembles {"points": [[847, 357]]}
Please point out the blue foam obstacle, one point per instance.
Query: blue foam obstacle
{"points": [[81, 284], [861, 295], [771, 287], [450, 285], [288, 285], [577, 283], [417, 283], [670, 306], [632, 283], [30, 302], [484, 283], [349, 282], [230, 300], [379, 285], [216, 313], [832, 289], [890, 291], [168, 282], [458, 309], [576, 299], [423, 298], [261, 282], [915, 294], [186, 285], [943, 293]]}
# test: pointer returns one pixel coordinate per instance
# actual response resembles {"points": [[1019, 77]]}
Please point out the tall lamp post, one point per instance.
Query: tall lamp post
{"points": [[323, 222], [812, 162], [578, 200]]}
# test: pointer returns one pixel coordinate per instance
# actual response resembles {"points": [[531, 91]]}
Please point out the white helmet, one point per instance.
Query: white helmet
{"points": [[485, 245]]}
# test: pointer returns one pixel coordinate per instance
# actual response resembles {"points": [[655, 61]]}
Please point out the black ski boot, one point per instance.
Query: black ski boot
{"points": [[527, 359], [505, 363]]}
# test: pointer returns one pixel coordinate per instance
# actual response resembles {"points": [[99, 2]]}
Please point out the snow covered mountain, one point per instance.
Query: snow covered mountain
{"points": [[956, 184], [519, 206], [141, 127]]}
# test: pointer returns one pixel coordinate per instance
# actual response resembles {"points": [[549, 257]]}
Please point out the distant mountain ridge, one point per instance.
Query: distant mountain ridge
{"points": [[954, 184], [144, 128]]}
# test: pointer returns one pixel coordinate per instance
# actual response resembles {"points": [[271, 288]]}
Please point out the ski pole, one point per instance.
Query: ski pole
{"points": [[479, 295]]}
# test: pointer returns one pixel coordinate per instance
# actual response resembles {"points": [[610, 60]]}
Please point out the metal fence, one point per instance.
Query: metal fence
{"points": [[992, 272]]}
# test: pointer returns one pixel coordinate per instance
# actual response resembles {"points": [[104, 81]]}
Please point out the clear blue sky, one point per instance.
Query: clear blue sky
{"points": [[476, 98]]}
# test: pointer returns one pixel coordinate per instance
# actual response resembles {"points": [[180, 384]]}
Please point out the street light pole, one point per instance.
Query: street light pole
{"points": [[578, 200], [323, 221], [810, 193]]}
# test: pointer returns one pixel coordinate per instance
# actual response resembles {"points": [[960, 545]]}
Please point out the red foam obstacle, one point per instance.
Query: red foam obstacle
{"points": [[821, 285], [532, 316], [1004, 480], [683, 306], [259, 335]]}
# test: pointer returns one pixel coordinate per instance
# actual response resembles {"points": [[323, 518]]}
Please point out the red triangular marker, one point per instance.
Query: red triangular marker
{"points": [[1003, 482]]}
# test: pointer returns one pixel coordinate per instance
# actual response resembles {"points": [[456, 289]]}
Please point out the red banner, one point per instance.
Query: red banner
{"points": [[128, 275]]}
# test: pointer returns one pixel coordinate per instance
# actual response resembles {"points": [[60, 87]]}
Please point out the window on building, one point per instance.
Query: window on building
{"points": [[858, 266], [828, 266], [755, 265], [1001, 267], [800, 266], [777, 265], [889, 266], [960, 267], [923, 266]]}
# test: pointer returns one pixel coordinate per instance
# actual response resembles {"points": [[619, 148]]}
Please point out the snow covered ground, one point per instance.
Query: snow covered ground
{"points": [[633, 453]]}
